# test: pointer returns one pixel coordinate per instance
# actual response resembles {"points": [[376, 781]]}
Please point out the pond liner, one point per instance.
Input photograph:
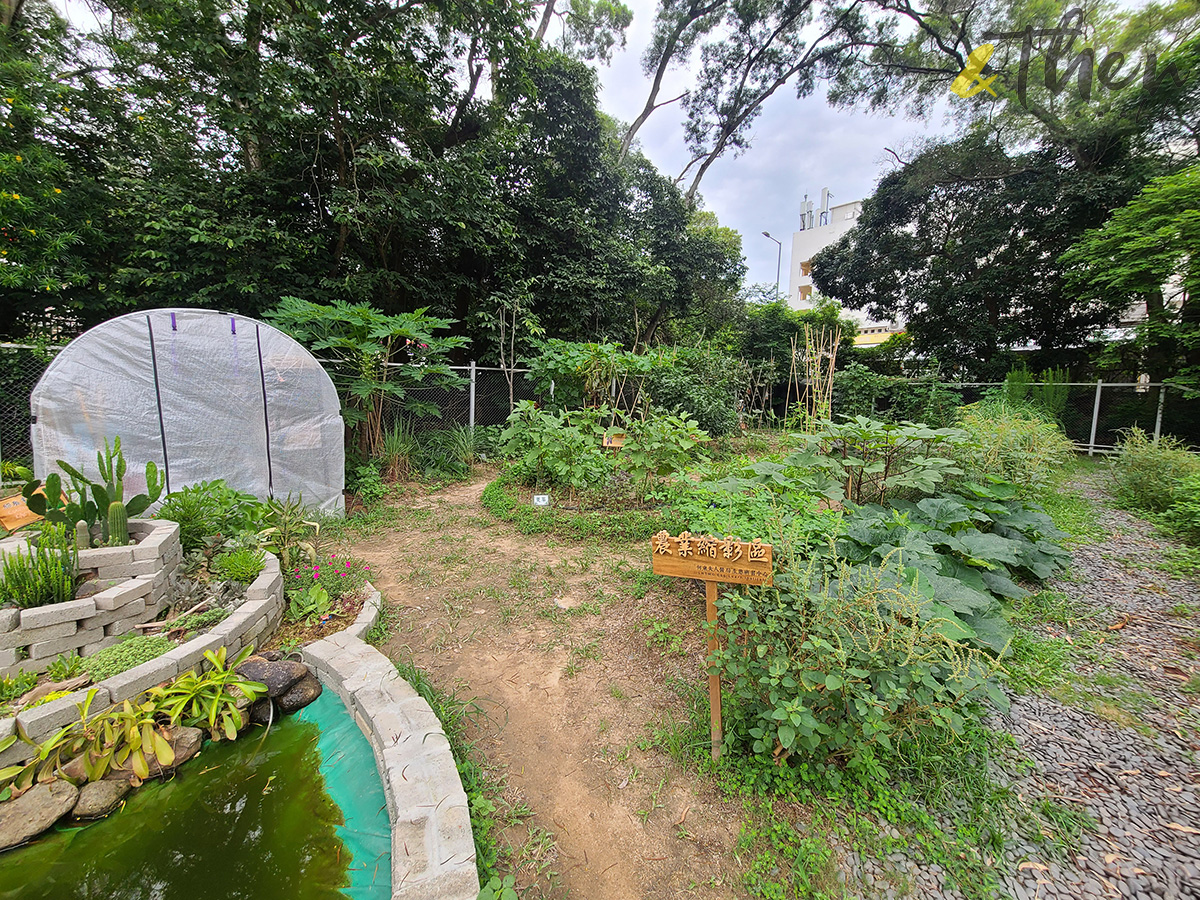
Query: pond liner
{"points": [[352, 780]]}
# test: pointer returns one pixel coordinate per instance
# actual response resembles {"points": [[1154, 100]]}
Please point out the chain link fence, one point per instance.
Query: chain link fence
{"points": [[1093, 416], [20, 368]]}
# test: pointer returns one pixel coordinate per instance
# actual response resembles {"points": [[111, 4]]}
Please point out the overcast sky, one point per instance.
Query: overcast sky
{"points": [[798, 147]]}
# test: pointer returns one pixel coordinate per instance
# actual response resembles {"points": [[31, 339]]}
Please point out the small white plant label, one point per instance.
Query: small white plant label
{"points": [[541, 499]]}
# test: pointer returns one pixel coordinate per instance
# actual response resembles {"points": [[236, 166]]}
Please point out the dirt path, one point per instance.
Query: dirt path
{"points": [[551, 637]]}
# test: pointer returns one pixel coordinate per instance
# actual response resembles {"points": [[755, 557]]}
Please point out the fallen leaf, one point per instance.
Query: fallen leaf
{"points": [[1032, 865], [1186, 829], [1176, 789], [1117, 626], [1176, 672], [1131, 772], [1113, 857], [624, 784]]}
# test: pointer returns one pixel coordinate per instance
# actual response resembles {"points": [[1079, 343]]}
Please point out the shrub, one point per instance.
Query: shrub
{"points": [[698, 383], [1147, 475], [242, 565], [130, 652], [557, 449], [209, 509], [43, 574], [1182, 517], [365, 482], [831, 668], [1016, 442]]}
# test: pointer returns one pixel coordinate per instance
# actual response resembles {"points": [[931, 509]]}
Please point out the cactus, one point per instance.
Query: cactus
{"points": [[83, 535], [118, 524]]}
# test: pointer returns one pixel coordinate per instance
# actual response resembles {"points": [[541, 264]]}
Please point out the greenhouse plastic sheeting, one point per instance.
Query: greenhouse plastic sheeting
{"points": [[203, 394]]}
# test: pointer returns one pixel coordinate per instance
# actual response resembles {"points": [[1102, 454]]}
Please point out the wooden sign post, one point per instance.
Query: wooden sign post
{"points": [[712, 560], [616, 440]]}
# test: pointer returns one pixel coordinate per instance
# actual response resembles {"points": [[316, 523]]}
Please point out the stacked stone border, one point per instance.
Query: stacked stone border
{"points": [[258, 616], [433, 849], [134, 582]]}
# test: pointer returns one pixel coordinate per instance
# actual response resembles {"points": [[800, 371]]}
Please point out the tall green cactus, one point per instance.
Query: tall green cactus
{"points": [[79, 507], [118, 524], [49, 503]]}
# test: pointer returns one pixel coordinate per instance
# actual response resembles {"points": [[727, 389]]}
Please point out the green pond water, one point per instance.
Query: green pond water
{"points": [[294, 814]]}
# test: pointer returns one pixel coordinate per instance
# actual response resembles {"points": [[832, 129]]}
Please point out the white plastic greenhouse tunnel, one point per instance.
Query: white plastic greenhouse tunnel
{"points": [[204, 395]]}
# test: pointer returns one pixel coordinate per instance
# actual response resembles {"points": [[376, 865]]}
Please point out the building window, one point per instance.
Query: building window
{"points": [[806, 268]]}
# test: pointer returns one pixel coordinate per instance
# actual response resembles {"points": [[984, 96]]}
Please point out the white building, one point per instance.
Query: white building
{"points": [[818, 229]]}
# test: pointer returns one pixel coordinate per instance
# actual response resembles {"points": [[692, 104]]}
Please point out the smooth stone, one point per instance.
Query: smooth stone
{"points": [[305, 691], [278, 676], [260, 712], [99, 798], [34, 811]]}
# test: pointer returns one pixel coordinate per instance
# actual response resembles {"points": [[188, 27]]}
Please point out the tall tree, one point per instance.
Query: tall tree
{"points": [[1148, 252], [962, 244]]}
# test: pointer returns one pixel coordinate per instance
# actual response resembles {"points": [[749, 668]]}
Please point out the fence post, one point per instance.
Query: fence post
{"points": [[551, 390], [1095, 417], [471, 412], [1162, 395]]}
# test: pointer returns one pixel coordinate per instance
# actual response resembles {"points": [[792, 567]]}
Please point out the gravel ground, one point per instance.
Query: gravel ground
{"points": [[1141, 785], [1127, 755]]}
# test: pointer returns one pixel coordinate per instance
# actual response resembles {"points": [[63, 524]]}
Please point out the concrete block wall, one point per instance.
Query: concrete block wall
{"points": [[135, 581], [433, 849], [254, 621]]}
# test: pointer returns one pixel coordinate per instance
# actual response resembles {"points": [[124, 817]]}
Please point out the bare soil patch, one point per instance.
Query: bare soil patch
{"points": [[552, 639]]}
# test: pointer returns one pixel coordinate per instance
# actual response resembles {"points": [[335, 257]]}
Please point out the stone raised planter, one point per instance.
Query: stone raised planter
{"points": [[134, 584], [433, 849], [257, 617]]}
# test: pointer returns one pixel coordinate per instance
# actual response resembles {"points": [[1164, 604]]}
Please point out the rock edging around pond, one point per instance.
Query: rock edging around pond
{"points": [[256, 619], [433, 849]]}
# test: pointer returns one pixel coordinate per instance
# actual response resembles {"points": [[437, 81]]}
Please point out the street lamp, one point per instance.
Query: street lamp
{"points": [[778, 262]]}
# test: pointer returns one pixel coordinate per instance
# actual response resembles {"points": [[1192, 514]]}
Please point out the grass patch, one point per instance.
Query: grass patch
{"points": [[504, 498], [489, 812]]}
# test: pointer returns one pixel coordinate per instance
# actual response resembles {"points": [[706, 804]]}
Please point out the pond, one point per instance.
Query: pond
{"points": [[294, 814]]}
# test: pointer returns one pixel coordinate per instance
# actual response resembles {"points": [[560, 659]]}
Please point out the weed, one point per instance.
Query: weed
{"points": [[659, 634], [614, 691], [385, 625], [1181, 610]]}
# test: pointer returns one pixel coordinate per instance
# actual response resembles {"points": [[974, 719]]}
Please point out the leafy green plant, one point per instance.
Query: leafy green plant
{"points": [[14, 686], [367, 484], [65, 666], [1017, 442], [42, 574], [1146, 474], [289, 534], [1182, 517], [133, 651], [557, 449], [242, 565], [210, 700], [309, 605], [660, 445], [448, 452], [361, 347], [498, 888], [839, 666], [210, 509], [864, 460]]}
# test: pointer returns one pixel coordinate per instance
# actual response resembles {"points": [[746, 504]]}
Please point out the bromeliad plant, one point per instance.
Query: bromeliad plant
{"points": [[211, 700], [132, 734]]}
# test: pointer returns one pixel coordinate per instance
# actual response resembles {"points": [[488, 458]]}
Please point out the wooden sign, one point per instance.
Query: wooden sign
{"points": [[711, 560], [15, 512], [613, 440]]}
